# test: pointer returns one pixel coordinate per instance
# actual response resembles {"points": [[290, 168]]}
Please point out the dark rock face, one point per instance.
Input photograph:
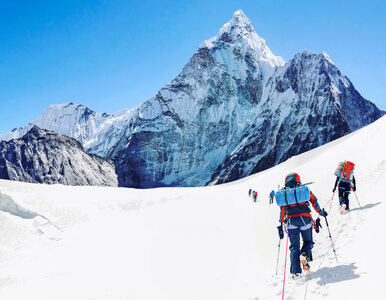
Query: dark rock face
{"points": [[42, 156], [131, 165]]}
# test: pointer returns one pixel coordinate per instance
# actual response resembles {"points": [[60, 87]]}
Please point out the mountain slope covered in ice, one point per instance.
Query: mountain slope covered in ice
{"points": [[194, 243], [235, 109], [308, 103], [98, 133]]}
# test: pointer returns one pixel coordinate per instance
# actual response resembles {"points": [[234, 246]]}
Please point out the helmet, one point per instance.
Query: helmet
{"points": [[292, 180]]}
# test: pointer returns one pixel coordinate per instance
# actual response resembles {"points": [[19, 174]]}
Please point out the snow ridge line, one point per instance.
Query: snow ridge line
{"points": [[9, 205]]}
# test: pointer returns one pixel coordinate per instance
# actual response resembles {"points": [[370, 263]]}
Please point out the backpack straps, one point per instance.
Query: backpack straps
{"points": [[285, 196]]}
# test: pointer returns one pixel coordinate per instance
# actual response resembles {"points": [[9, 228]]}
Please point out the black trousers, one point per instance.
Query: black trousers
{"points": [[344, 191]]}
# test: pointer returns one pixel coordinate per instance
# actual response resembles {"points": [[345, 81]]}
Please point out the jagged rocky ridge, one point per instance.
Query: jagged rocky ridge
{"points": [[235, 109], [43, 156]]}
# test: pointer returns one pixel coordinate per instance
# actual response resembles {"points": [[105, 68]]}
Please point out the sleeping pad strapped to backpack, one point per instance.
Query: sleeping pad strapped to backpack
{"points": [[295, 195]]}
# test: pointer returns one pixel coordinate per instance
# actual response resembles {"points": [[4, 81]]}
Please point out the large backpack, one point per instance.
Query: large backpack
{"points": [[345, 171], [288, 196]]}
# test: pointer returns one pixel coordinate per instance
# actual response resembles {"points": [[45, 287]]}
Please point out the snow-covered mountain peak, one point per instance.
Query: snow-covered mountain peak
{"points": [[239, 34], [317, 57], [97, 132], [239, 16], [327, 57], [35, 131], [241, 21], [68, 108], [238, 27], [317, 64]]}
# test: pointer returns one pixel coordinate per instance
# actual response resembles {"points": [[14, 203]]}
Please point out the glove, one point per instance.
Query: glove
{"points": [[324, 213], [334, 190], [318, 225], [280, 231], [354, 188]]}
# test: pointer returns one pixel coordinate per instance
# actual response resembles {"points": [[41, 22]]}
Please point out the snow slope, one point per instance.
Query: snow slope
{"points": [[61, 242]]}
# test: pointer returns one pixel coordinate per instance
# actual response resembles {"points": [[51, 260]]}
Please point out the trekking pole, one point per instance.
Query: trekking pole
{"points": [[285, 264], [307, 183], [325, 205], [329, 210], [332, 243], [278, 252], [333, 195], [357, 199]]}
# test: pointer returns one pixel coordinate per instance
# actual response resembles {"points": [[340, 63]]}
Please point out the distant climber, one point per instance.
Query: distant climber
{"points": [[345, 181], [294, 201], [254, 196], [271, 197]]}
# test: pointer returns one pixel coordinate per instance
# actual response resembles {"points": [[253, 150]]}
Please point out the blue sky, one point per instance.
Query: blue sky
{"points": [[113, 55]]}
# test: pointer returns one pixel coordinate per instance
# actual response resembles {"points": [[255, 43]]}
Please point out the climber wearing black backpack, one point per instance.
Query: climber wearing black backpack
{"points": [[294, 201]]}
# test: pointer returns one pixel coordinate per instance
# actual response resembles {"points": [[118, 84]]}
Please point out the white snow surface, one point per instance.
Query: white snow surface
{"points": [[62, 242]]}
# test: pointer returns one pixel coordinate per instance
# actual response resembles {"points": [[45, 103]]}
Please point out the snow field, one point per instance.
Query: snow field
{"points": [[194, 243]]}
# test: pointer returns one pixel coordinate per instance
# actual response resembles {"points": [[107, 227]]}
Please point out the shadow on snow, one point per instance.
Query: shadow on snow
{"points": [[367, 206], [335, 274]]}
